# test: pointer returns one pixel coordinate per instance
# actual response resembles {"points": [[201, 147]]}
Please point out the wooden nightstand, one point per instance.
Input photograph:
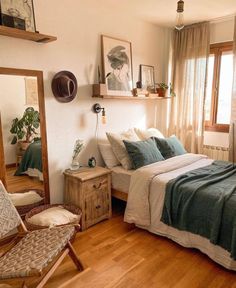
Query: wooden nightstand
{"points": [[89, 189]]}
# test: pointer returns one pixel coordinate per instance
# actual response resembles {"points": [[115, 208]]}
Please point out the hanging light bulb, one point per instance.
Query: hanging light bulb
{"points": [[104, 119], [180, 15]]}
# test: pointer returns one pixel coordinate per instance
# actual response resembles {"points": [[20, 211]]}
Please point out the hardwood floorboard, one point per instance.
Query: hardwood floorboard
{"points": [[18, 183], [119, 255]]}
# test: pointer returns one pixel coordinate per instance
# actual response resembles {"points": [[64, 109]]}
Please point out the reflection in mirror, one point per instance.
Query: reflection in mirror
{"points": [[22, 138]]}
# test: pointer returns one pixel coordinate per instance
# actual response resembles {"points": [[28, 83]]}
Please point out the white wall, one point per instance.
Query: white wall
{"points": [[222, 31], [78, 25]]}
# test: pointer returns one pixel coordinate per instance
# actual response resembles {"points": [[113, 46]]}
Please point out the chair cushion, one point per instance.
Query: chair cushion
{"points": [[34, 252], [54, 216], [27, 198]]}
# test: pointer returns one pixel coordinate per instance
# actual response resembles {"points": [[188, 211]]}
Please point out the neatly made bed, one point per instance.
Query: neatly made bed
{"points": [[120, 182], [146, 199], [31, 163]]}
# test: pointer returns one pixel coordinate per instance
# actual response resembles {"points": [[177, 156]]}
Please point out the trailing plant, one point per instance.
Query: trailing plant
{"points": [[25, 128]]}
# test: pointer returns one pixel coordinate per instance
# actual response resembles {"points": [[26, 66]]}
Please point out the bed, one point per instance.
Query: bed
{"points": [[146, 198], [120, 182], [31, 163]]}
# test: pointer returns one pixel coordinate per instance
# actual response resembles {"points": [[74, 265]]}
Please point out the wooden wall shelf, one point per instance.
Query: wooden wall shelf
{"points": [[26, 35], [131, 97]]}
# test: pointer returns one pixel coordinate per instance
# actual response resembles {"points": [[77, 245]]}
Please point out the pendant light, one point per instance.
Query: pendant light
{"points": [[179, 24]]}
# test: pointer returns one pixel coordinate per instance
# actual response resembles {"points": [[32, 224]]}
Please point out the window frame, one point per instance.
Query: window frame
{"points": [[217, 50]]}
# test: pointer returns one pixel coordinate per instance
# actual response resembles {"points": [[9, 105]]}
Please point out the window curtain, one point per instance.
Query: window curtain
{"points": [[232, 132], [190, 51]]}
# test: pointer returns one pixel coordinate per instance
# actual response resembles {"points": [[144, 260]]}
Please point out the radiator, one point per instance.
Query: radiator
{"points": [[216, 153]]}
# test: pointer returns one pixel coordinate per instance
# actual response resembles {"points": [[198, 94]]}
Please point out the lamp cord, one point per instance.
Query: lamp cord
{"points": [[96, 130]]}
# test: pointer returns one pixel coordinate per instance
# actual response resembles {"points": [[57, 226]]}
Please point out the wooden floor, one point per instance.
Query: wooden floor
{"points": [[121, 256], [17, 183]]}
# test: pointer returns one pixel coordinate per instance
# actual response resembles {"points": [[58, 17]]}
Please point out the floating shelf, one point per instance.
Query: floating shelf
{"points": [[26, 35], [131, 97]]}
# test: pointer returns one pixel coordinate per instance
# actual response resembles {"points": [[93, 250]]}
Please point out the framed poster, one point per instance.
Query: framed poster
{"points": [[31, 91], [20, 9], [147, 77], [117, 66]]}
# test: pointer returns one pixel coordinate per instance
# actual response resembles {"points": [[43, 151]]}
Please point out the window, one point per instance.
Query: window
{"points": [[219, 87]]}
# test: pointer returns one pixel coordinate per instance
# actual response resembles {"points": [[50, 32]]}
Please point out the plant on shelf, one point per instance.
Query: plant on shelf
{"points": [[25, 128], [163, 87]]}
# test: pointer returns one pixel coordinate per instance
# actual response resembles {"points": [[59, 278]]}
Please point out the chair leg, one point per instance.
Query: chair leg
{"points": [[75, 258], [53, 268]]}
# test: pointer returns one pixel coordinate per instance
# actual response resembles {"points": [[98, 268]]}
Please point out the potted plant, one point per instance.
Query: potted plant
{"points": [[25, 128], [163, 87]]}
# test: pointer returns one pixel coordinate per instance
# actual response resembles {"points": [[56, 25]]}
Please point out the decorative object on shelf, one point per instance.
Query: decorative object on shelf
{"points": [[97, 109], [147, 77], [64, 86], [179, 24], [19, 10], [79, 144], [162, 89], [92, 162], [139, 84], [99, 89], [137, 92], [26, 127], [117, 66]]}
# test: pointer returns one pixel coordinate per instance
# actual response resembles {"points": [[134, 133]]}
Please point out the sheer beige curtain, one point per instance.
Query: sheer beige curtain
{"points": [[189, 72], [232, 133]]}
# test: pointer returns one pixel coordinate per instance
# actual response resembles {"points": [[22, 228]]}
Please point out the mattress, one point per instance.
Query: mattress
{"points": [[120, 178]]}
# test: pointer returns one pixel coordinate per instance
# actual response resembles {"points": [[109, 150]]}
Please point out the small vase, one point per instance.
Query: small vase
{"points": [[74, 165]]}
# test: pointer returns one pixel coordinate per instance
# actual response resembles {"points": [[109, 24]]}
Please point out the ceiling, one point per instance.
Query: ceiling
{"points": [[163, 12]]}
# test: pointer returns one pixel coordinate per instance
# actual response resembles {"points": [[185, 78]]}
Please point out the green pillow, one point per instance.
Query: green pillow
{"points": [[143, 153], [166, 150], [176, 145]]}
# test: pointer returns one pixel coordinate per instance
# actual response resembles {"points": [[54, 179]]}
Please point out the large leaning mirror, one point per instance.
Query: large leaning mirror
{"points": [[23, 143]]}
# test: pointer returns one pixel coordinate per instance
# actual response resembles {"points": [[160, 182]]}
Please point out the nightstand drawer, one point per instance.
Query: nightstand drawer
{"points": [[97, 185]]}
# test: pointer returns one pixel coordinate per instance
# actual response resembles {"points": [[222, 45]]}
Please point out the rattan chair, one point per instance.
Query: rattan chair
{"points": [[36, 253]]}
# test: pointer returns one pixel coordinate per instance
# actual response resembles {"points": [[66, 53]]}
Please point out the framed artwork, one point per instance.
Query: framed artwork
{"points": [[31, 91], [19, 9], [117, 66], [147, 76]]}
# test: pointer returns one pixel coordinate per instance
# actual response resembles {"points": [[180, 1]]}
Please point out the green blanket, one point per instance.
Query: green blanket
{"points": [[203, 202], [32, 158]]}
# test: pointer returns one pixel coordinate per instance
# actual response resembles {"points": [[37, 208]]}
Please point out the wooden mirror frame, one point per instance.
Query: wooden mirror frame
{"points": [[39, 76]]}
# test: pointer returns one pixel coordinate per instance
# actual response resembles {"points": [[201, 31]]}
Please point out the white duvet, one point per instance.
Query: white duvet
{"points": [[146, 199]]}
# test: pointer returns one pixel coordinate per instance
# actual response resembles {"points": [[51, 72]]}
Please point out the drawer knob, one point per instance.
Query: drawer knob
{"points": [[97, 186], [98, 206]]}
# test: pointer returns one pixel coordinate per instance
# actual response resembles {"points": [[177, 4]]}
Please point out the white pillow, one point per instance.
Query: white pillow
{"points": [[53, 216], [118, 147], [27, 198], [108, 155], [151, 132]]}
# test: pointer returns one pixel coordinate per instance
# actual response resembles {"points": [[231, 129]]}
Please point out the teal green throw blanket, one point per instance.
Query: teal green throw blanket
{"points": [[32, 158], [203, 202]]}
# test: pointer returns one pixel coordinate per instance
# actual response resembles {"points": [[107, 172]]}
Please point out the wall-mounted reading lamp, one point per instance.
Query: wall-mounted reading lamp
{"points": [[97, 109]]}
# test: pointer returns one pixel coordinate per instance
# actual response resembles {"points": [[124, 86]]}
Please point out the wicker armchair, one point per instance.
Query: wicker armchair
{"points": [[32, 252]]}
